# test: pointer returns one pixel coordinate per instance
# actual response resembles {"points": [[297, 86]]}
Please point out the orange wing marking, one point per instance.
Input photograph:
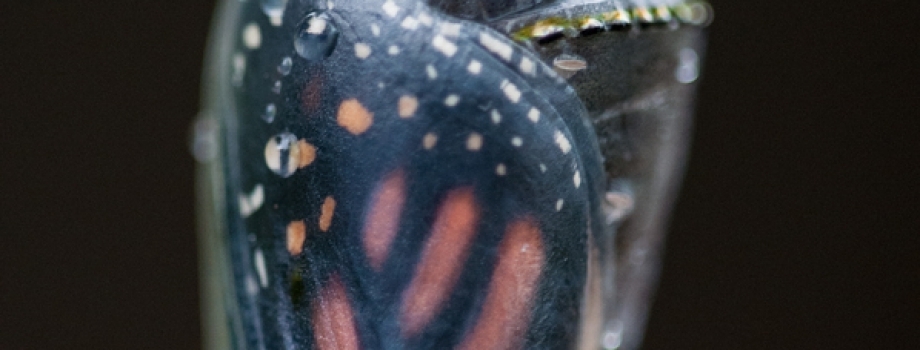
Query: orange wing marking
{"points": [[296, 235], [506, 312], [333, 318], [382, 221], [354, 117], [442, 260], [306, 154], [325, 217]]}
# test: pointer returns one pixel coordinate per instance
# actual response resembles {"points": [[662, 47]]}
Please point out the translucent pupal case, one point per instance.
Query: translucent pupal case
{"points": [[395, 174]]}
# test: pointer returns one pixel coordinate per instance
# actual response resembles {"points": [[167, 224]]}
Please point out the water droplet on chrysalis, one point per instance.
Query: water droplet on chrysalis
{"points": [[281, 154], [316, 38]]}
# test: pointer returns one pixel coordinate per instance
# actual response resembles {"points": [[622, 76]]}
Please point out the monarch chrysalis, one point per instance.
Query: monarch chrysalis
{"points": [[402, 174]]}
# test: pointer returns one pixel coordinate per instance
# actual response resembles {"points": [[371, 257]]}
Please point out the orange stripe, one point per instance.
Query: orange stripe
{"points": [[383, 218], [326, 213], [333, 318], [442, 260], [506, 312], [296, 235]]}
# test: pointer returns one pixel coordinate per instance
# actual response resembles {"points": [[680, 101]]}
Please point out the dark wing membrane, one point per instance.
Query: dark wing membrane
{"points": [[443, 171]]}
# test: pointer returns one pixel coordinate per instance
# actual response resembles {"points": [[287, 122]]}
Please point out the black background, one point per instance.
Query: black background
{"points": [[795, 228]]}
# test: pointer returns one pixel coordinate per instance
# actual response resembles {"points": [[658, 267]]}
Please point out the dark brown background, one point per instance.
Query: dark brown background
{"points": [[796, 227]]}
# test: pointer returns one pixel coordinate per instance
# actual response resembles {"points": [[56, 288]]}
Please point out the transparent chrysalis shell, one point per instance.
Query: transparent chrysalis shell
{"points": [[340, 138]]}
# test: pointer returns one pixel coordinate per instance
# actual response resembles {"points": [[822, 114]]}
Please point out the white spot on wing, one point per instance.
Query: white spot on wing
{"points": [[445, 46], [533, 115], [260, 268], [432, 73], [527, 66], [429, 140], [451, 100], [475, 67], [424, 19], [562, 142], [496, 117], [275, 19], [577, 179], [542, 168], [252, 36], [495, 45], [393, 50], [375, 29], [362, 50], [390, 8], [251, 203], [474, 142], [511, 91], [517, 141], [559, 204], [410, 23], [451, 29], [501, 170]]}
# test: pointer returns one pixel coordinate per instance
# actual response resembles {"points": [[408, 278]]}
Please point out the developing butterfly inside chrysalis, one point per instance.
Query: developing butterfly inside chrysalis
{"points": [[442, 174]]}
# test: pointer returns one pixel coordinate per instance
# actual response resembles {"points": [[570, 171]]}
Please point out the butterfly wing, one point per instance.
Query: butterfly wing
{"points": [[437, 189]]}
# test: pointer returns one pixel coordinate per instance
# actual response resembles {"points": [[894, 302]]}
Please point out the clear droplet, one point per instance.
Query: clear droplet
{"points": [[316, 38], [281, 154], [270, 111], [688, 67], [286, 65]]}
